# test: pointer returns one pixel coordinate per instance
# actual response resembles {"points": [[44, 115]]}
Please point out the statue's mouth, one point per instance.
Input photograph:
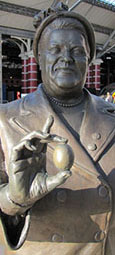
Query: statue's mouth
{"points": [[64, 69]]}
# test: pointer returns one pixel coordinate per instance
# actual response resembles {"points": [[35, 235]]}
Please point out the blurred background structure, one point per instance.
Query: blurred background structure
{"points": [[19, 73]]}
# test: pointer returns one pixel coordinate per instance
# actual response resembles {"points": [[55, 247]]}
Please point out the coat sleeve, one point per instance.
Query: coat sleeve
{"points": [[15, 226]]}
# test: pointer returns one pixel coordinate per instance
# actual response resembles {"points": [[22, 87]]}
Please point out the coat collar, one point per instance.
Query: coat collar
{"points": [[36, 106], [98, 126]]}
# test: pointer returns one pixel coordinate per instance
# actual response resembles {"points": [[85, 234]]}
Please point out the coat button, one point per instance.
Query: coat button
{"points": [[99, 236], [103, 192], [61, 196], [92, 147], [57, 238], [96, 136]]}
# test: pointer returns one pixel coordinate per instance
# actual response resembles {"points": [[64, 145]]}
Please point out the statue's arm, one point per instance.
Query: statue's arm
{"points": [[27, 182], [15, 219]]}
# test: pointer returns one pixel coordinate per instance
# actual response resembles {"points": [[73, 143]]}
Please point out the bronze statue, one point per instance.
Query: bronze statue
{"points": [[44, 209]]}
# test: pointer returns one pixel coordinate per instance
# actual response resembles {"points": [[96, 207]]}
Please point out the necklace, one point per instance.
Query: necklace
{"points": [[62, 104]]}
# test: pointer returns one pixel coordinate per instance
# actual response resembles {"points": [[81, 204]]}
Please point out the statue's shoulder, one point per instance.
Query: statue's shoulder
{"points": [[100, 107], [101, 102], [13, 107]]}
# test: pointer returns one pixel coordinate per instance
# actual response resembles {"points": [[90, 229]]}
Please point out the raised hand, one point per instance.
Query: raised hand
{"points": [[28, 179]]}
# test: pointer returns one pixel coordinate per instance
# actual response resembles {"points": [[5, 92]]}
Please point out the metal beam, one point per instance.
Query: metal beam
{"points": [[95, 3], [74, 5], [109, 39], [99, 55], [17, 32], [18, 9], [101, 4], [102, 29]]}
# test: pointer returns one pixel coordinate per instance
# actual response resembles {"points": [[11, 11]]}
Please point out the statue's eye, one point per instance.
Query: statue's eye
{"points": [[54, 50], [77, 51], [74, 50]]}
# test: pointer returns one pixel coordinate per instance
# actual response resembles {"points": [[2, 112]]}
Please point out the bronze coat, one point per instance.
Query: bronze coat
{"points": [[75, 218]]}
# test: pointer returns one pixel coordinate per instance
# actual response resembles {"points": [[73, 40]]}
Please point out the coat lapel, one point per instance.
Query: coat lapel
{"points": [[98, 126]]}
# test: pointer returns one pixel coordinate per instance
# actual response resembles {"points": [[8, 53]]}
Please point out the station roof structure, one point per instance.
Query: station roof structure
{"points": [[111, 2], [16, 18]]}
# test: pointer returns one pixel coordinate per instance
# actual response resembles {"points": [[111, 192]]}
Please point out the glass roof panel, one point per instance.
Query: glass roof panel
{"points": [[111, 2]]}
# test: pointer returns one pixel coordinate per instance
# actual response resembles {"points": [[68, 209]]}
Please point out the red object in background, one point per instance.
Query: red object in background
{"points": [[18, 95], [32, 74], [24, 75]]}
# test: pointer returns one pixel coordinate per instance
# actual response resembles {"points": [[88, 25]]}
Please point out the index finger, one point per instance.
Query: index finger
{"points": [[48, 124], [54, 138]]}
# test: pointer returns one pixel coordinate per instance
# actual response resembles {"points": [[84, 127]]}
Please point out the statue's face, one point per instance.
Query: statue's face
{"points": [[64, 62]]}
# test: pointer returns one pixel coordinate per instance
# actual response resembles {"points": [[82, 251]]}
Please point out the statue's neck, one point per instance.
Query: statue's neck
{"points": [[65, 102]]}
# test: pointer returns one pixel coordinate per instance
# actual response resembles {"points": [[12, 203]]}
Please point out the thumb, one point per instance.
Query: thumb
{"points": [[53, 181]]}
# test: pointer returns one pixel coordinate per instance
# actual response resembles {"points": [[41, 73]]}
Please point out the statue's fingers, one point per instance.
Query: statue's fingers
{"points": [[19, 147], [58, 139], [43, 184], [35, 134], [53, 181], [48, 124], [21, 165], [55, 139]]}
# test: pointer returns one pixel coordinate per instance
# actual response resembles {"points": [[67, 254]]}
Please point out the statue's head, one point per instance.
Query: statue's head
{"points": [[64, 45]]}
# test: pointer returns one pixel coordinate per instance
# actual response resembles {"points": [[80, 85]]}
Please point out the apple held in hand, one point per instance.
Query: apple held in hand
{"points": [[63, 156]]}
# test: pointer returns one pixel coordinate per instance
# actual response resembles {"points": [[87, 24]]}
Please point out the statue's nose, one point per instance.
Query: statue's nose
{"points": [[66, 57]]}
